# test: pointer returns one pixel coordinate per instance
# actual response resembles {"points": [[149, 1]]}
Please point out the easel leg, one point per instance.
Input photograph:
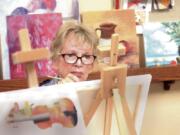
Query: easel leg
{"points": [[94, 106], [137, 102], [121, 120], [108, 116], [129, 117], [32, 76]]}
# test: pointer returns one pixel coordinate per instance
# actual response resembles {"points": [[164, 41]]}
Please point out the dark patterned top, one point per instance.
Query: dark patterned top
{"points": [[49, 82]]}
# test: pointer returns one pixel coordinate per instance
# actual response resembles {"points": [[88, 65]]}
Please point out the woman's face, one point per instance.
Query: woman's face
{"points": [[73, 45]]}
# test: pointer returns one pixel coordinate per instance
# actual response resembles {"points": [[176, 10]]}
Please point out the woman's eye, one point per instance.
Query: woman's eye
{"points": [[87, 56], [71, 55]]}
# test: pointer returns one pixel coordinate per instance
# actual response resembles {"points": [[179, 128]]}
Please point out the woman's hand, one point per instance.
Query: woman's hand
{"points": [[69, 78]]}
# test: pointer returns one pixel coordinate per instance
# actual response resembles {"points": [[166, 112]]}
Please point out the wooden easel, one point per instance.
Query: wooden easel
{"points": [[113, 81], [29, 56]]}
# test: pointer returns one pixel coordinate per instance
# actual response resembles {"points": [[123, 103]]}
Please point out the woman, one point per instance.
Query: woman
{"points": [[73, 53]]}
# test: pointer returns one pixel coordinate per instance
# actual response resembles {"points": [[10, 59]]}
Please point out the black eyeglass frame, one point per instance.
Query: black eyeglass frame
{"points": [[77, 58]]}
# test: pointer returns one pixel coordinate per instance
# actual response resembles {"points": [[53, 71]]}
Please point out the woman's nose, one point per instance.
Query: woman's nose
{"points": [[78, 63]]}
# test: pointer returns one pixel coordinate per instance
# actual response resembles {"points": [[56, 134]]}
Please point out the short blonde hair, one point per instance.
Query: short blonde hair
{"points": [[86, 34]]}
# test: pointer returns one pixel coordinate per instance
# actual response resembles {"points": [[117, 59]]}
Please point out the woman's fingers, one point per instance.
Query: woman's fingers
{"points": [[70, 78]]}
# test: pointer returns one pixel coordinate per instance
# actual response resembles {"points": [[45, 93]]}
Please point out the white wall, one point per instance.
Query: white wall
{"points": [[91, 5]]}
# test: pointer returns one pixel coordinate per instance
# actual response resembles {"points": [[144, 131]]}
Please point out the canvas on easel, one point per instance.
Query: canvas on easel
{"points": [[81, 94], [137, 89], [113, 93], [41, 111]]}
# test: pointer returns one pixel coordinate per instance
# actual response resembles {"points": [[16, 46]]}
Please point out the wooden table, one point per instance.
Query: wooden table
{"points": [[167, 75]]}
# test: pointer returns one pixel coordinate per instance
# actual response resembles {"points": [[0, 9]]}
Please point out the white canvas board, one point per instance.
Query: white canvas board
{"points": [[82, 94], [133, 83]]}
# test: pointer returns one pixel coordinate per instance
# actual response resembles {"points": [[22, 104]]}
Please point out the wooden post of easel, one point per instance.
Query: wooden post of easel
{"points": [[28, 56], [113, 81]]}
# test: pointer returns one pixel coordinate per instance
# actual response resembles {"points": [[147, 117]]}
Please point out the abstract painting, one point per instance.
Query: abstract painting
{"points": [[42, 30]]}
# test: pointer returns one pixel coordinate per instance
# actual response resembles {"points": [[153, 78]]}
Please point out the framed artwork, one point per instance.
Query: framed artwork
{"points": [[162, 4], [161, 43], [144, 5]]}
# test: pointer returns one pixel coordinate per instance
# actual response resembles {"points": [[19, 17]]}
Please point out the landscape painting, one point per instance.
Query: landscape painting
{"points": [[161, 43]]}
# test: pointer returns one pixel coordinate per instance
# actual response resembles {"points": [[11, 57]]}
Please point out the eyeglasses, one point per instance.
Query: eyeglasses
{"points": [[73, 58]]}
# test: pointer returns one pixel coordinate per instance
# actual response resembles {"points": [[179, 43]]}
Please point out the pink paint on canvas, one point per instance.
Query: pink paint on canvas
{"points": [[42, 30]]}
